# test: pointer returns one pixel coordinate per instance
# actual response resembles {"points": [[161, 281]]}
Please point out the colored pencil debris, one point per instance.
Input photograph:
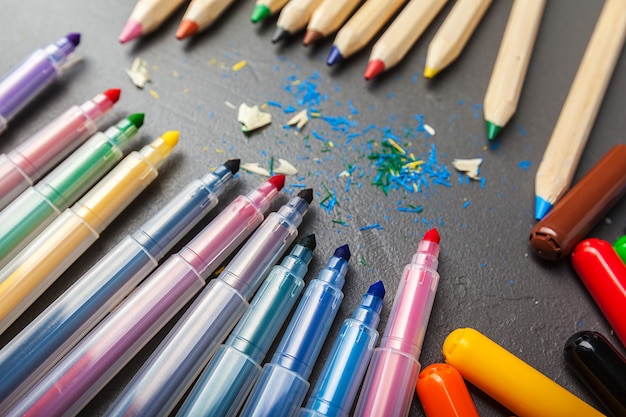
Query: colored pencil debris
{"points": [[299, 120], [252, 118], [469, 167], [283, 167], [138, 72]]}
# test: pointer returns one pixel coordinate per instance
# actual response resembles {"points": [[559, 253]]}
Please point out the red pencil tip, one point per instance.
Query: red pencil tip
{"points": [[278, 181], [432, 235], [113, 94], [186, 29], [374, 68]]}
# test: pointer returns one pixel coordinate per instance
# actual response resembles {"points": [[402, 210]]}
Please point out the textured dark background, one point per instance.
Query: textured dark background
{"points": [[489, 278]]}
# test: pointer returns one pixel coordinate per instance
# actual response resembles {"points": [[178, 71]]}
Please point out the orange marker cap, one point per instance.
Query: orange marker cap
{"points": [[443, 392]]}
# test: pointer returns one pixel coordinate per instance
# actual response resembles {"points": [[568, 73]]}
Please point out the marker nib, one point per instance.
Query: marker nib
{"points": [[377, 289], [432, 235], [137, 119], [278, 181], [306, 195], [233, 165], [308, 241], [113, 94], [334, 56], [492, 130], [542, 207], [374, 68], [73, 38], [343, 252]]}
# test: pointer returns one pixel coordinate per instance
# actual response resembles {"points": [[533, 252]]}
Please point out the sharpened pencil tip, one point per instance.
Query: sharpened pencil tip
{"points": [[280, 34], [308, 242], [430, 72], [132, 30], [187, 28], [374, 68], [343, 252], [542, 207], [311, 36], [334, 56], [259, 13], [377, 289], [492, 130]]}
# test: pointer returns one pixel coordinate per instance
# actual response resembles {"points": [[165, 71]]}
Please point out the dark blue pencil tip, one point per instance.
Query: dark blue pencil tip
{"points": [[343, 252], [377, 289], [73, 38], [232, 165], [308, 242], [542, 207], [334, 56], [306, 195]]}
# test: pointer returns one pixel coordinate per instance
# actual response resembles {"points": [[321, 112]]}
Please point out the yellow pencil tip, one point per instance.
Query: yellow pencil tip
{"points": [[171, 137], [430, 72]]}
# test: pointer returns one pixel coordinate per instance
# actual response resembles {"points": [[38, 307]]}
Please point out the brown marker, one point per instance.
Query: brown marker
{"points": [[555, 236]]}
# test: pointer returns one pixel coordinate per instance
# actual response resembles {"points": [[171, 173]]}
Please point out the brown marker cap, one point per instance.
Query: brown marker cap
{"points": [[556, 235]]}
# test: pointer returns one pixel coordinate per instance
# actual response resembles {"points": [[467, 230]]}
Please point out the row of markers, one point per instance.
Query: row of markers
{"points": [[68, 353]]}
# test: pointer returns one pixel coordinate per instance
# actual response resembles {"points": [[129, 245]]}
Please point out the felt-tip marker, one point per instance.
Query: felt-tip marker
{"points": [[227, 380], [100, 355], [340, 380], [283, 383], [69, 318], [171, 369], [390, 381]]}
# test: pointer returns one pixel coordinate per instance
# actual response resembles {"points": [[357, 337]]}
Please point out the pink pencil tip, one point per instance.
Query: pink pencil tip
{"points": [[374, 68], [113, 94], [432, 235], [278, 181], [131, 31]]}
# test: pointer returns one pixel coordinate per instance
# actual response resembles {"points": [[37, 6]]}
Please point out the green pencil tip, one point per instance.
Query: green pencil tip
{"points": [[136, 119], [492, 130], [259, 13]]}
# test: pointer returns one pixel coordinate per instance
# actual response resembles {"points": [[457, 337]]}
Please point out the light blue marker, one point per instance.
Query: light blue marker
{"points": [[341, 378], [283, 383], [56, 330], [228, 378]]}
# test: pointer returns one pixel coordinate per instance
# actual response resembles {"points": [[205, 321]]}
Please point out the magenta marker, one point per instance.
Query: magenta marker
{"points": [[34, 74], [33, 158], [93, 362], [390, 380]]}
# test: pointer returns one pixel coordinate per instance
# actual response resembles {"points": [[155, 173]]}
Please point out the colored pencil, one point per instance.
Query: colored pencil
{"points": [[328, 18], [200, 14], [361, 28], [293, 18], [509, 71], [147, 16], [398, 39], [578, 114], [454, 34], [265, 8]]}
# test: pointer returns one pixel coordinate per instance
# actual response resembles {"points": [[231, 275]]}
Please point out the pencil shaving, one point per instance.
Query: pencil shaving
{"points": [[469, 167], [252, 118]]}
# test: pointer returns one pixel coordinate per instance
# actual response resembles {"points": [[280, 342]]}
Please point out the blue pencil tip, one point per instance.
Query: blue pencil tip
{"points": [[542, 207], [334, 56], [343, 252], [377, 289]]}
